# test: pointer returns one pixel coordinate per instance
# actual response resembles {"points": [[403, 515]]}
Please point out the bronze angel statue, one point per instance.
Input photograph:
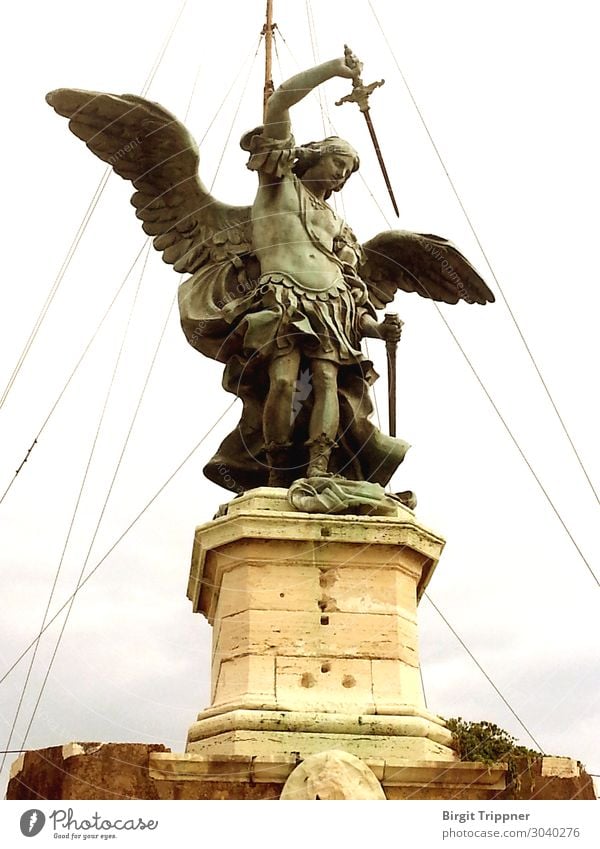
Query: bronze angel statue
{"points": [[281, 290]]}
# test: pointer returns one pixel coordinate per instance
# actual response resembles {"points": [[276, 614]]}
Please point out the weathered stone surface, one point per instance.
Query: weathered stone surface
{"points": [[313, 616], [393, 682], [305, 743], [140, 771], [560, 768], [317, 634], [340, 685], [247, 676], [332, 775], [409, 721], [308, 683], [85, 771], [261, 527], [190, 767], [354, 588], [538, 779], [249, 586]]}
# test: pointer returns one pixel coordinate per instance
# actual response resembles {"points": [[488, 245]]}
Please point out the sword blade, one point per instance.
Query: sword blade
{"points": [[381, 162]]}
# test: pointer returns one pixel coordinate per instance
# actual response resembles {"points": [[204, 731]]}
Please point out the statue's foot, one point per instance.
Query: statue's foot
{"points": [[408, 498], [278, 459], [319, 453]]}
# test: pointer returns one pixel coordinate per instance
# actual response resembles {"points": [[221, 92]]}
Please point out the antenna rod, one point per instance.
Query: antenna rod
{"points": [[267, 31]]}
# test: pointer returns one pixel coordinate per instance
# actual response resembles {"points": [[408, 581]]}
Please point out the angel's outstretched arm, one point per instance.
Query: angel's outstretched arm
{"points": [[292, 91]]}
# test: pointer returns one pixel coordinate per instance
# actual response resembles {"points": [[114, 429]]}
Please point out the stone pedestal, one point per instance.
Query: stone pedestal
{"points": [[314, 633], [316, 690]]}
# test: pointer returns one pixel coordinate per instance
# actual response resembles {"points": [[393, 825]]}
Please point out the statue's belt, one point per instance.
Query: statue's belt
{"points": [[334, 290]]}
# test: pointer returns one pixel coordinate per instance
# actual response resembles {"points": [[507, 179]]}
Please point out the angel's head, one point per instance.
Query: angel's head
{"points": [[330, 161]]}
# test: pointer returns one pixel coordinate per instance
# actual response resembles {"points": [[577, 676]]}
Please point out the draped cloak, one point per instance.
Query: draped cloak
{"points": [[232, 314]]}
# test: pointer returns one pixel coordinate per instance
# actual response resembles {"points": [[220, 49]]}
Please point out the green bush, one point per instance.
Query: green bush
{"points": [[486, 742]]}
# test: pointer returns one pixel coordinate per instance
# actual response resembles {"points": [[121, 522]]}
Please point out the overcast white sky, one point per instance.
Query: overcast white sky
{"points": [[509, 91]]}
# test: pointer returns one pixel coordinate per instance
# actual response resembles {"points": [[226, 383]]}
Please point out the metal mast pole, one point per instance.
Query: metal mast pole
{"points": [[267, 31]]}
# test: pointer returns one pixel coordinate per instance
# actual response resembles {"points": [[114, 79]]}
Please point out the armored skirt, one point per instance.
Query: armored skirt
{"points": [[245, 326], [281, 315]]}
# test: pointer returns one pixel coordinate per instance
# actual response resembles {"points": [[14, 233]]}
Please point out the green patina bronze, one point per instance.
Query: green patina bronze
{"points": [[280, 291]]}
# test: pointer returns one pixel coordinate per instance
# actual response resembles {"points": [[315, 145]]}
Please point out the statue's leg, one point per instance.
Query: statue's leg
{"points": [[277, 416], [325, 416]]}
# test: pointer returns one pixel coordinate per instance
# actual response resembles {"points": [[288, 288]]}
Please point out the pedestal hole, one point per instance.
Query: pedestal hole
{"points": [[326, 667], [327, 578], [324, 620], [348, 681], [307, 680]]}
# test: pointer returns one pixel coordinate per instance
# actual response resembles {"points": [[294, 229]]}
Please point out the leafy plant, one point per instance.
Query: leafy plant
{"points": [[490, 744]]}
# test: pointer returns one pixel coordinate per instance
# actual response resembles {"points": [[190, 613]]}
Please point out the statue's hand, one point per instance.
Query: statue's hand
{"points": [[348, 66], [390, 328]]}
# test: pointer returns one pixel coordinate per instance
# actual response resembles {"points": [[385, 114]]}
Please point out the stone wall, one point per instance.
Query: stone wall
{"points": [[122, 771], [85, 771]]}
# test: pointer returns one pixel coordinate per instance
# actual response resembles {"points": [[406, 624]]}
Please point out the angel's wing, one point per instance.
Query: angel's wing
{"points": [[426, 264], [147, 145]]}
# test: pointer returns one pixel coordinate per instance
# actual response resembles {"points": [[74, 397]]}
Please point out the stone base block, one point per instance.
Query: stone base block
{"points": [[264, 742], [191, 776], [270, 732]]}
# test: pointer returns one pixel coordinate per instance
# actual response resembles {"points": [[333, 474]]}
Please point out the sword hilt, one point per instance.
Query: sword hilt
{"points": [[360, 92], [392, 318]]}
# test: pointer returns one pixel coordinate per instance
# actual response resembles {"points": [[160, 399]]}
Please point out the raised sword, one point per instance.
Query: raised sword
{"points": [[360, 94]]}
